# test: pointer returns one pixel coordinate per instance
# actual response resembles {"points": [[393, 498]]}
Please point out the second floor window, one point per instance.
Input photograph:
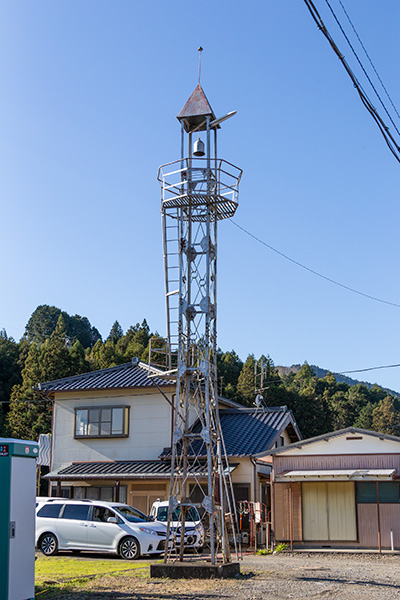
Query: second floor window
{"points": [[101, 422]]}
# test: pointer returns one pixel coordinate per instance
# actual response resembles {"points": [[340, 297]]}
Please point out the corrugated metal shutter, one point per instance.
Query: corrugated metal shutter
{"points": [[44, 449], [329, 511]]}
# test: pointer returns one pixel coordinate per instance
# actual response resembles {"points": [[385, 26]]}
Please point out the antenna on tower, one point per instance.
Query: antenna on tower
{"points": [[200, 50]]}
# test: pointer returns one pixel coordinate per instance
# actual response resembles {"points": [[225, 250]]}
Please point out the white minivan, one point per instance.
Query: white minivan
{"points": [[96, 526]]}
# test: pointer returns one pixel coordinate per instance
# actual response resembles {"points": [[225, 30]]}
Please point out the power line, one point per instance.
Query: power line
{"points": [[299, 264], [368, 369], [384, 129], [361, 65], [369, 58]]}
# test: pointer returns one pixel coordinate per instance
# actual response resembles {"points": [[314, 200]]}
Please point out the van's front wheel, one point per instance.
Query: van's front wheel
{"points": [[48, 544], [129, 548]]}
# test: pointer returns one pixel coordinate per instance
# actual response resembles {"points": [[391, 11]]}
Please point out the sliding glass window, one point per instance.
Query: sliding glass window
{"points": [[107, 421]]}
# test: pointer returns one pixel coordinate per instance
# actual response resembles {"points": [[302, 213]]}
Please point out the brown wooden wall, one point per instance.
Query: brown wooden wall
{"points": [[367, 521], [368, 524], [282, 496]]}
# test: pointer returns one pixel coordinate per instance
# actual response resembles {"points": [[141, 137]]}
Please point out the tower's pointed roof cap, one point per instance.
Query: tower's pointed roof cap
{"points": [[196, 109]]}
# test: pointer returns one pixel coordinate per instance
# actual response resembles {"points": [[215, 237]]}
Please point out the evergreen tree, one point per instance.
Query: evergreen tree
{"points": [[135, 341], [246, 383], [43, 322], [30, 414], [229, 367], [306, 402], [116, 332], [364, 417], [77, 354], [341, 410], [79, 329], [385, 418], [105, 355], [10, 370]]}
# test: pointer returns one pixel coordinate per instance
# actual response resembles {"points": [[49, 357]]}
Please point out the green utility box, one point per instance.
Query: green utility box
{"points": [[17, 518]]}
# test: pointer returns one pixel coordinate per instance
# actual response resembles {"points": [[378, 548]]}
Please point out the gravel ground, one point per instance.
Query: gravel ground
{"points": [[279, 577], [336, 576]]}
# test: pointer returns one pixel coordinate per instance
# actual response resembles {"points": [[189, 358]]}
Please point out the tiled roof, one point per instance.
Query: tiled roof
{"points": [[120, 469], [129, 375], [246, 431]]}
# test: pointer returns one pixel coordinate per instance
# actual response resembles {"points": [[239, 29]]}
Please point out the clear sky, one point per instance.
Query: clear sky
{"points": [[90, 91]]}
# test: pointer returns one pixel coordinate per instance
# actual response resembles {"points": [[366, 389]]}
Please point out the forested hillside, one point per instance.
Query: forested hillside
{"points": [[57, 345], [321, 373]]}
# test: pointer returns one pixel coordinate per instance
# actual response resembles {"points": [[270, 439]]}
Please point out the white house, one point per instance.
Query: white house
{"points": [[112, 433]]}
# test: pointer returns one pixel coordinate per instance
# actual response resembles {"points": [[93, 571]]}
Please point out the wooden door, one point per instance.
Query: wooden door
{"points": [[142, 495]]}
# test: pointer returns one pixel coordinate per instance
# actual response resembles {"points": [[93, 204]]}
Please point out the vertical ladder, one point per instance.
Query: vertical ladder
{"points": [[172, 281]]}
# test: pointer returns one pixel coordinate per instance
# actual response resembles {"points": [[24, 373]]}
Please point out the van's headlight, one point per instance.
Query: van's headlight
{"points": [[149, 531]]}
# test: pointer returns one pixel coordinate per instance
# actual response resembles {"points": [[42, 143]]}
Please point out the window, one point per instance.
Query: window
{"points": [[102, 514], [191, 515], [50, 510], [133, 515], [389, 492], [76, 511], [108, 421], [107, 493], [56, 492]]}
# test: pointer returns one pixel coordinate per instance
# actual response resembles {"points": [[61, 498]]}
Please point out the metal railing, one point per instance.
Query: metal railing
{"points": [[197, 177]]}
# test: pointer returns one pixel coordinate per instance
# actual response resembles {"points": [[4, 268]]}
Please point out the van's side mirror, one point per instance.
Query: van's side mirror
{"points": [[111, 520]]}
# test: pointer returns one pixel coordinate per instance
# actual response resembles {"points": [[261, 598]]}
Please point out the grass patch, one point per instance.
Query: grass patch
{"points": [[63, 568], [55, 576]]}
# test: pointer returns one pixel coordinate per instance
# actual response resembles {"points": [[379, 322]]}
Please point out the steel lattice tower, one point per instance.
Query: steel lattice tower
{"points": [[197, 191]]}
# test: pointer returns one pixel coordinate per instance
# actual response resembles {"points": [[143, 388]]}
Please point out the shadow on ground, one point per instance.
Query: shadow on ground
{"points": [[72, 594], [356, 582]]}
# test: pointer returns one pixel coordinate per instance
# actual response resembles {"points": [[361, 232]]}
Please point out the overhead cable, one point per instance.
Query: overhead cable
{"points": [[384, 129], [369, 59], [361, 65], [368, 369], [299, 264]]}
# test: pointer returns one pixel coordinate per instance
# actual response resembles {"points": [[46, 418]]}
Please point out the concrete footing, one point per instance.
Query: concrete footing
{"points": [[194, 570]]}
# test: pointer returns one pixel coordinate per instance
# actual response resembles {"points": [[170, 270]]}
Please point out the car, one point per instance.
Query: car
{"points": [[96, 526], [194, 530]]}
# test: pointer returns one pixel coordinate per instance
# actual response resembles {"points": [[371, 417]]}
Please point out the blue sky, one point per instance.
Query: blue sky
{"points": [[90, 92]]}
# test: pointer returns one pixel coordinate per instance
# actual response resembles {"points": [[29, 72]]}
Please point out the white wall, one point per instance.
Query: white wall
{"points": [[149, 427], [347, 443]]}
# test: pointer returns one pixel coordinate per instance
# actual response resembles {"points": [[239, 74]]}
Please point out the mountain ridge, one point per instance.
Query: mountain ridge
{"points": [[321, 373]]}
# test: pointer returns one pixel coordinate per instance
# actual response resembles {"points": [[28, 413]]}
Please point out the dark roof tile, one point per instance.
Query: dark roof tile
{"points": [[246, 431], [128, 375], [123, 469]]}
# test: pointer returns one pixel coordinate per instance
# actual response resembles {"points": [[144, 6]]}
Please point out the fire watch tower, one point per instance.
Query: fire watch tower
{"points": [[198, 190]]}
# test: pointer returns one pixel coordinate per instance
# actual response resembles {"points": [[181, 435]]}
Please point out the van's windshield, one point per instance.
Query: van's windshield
{"points": [[133, 515], [191, 515]]}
